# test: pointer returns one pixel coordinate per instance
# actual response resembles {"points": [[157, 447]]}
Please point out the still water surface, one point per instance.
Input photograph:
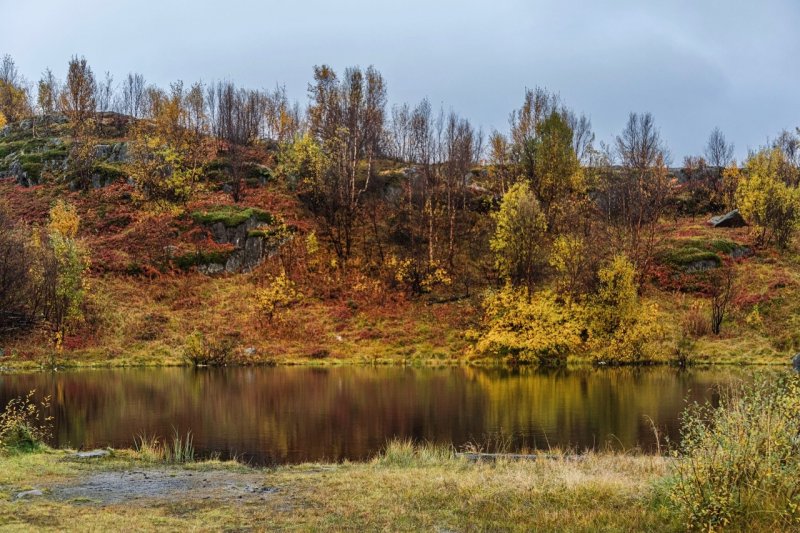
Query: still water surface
{"points": [[289, 415]]}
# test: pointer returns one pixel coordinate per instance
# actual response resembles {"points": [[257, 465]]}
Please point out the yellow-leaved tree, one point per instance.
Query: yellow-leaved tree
{"points": [[771, 206], [518, 241], [620, 327], [557, 175], [300, 161], [68, 292], [167, 153]]}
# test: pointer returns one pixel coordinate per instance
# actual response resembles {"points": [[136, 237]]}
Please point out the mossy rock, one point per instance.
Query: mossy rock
{"points": [[723, 246], [259, 173], [231, 216], [686, 256], [108, 171], [262, 232], [32, 170], [700, 254], [25, 146], [195, 259]]}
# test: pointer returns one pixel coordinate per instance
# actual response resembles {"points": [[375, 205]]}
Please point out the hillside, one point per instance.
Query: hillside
{"points": [[159, 274], [163, 276]]}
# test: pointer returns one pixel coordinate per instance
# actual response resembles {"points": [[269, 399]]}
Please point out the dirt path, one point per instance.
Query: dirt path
{"points": [[162, 484]]}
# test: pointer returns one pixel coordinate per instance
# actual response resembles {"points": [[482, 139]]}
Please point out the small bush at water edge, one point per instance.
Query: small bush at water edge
{"points": [[23, 424], [739, 463]]}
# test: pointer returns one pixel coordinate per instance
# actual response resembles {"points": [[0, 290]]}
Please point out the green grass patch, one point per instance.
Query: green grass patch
{"points": [[688, 255], [27, 146], [231, 216], [723, 246]]}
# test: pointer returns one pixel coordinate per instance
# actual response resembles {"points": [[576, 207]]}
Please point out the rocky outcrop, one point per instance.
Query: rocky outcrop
{"points": [[700, 266], [249, 256], [28, 125], [235, 235], [796, 362], [252, 245], [732, 219], [112, 153], [35, 148]]}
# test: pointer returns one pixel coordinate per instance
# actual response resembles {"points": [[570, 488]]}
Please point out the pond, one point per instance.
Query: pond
{"points": [[295, 414]]}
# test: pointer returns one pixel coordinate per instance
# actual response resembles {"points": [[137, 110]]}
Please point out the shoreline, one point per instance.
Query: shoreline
{"points": [[33, 366], [406, 487]]}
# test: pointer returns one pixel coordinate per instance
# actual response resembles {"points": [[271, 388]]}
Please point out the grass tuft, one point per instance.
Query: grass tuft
{"points": [[406, 453], [177, 450]]}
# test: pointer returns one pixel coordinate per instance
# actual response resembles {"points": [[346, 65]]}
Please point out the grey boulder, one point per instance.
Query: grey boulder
{"points": [[732, 219]]}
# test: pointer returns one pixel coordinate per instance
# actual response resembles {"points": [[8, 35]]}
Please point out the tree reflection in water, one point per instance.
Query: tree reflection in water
{"points": [[279, 415]]}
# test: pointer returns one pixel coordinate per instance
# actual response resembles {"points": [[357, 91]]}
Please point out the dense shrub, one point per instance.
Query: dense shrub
{"points": [[544, 327], [739, 462], [208, 350], [766, 202], [535, 329]]}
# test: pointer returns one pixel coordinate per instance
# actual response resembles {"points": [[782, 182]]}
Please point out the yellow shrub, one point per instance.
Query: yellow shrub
{"points": [[272, 300], [312, 244], [418, 278], [620, 327], [539, 329], [64, 220]]}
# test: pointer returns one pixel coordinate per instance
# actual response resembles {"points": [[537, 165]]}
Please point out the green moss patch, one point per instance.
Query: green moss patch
{"points": [[26, 146], [231, 216], [108, 171], [723, 246], [686, 254], [195, 259]]}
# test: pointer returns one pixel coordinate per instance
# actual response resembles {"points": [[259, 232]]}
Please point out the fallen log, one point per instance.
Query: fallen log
{"points": [[491, 457]]}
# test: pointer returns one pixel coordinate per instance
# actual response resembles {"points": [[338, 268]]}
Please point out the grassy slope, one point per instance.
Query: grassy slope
{"points": [[408, 489], [762, 325]]}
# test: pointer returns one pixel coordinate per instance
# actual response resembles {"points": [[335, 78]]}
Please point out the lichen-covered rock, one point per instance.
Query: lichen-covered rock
{"points": [[211, 268], [249, 256], [247, 229], [700, 266]]}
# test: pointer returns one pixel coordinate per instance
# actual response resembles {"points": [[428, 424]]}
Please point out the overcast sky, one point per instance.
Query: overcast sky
{"points": [[694, 64]]}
